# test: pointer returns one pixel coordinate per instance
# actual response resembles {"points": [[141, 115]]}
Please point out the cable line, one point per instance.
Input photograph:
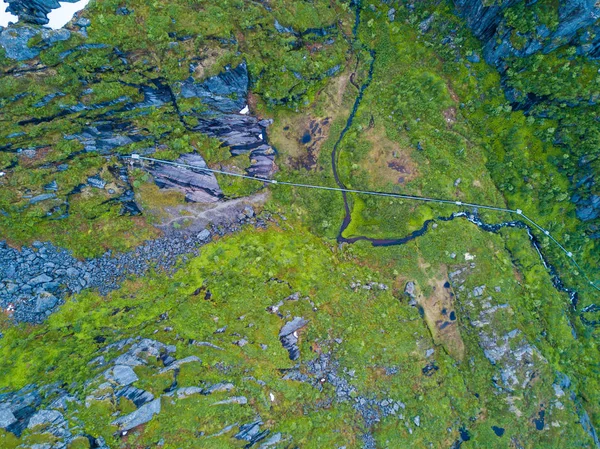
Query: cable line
{"points": [[375, 193]]}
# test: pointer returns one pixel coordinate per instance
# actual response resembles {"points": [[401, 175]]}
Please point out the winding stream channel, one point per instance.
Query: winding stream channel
{"points": [[471, 217]]}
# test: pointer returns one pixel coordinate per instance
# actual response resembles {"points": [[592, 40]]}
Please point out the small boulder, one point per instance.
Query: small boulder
{"points": [[204, 235], [44, 302], [40, 279]]}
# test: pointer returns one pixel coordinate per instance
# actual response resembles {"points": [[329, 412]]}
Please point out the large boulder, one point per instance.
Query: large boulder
{"points": [[141, 416], [288, 335]]}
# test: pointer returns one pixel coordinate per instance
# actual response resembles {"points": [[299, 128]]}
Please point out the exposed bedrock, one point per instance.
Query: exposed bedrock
{"points": [[15, 40], [225, 95], [225, 92], [198, 185], [288, 335], [243, 134]]}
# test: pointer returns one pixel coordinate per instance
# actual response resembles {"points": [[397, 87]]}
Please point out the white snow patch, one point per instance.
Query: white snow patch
{"points": [[6, 17], [59, 17]]}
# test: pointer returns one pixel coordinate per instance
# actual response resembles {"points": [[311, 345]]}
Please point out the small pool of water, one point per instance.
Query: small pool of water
{"points": [[58, 17]]}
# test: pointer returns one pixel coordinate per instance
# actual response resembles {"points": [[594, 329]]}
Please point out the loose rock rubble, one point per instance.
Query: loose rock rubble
{"points": [[36, 279], [51, 410]]}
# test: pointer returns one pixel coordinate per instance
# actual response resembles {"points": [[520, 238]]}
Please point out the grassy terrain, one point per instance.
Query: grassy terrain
{"points": [[155, 43], [428, 119], [375, 329]]}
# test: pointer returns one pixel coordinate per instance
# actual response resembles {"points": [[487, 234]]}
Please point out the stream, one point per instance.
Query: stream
{"points": [[471, 217]]}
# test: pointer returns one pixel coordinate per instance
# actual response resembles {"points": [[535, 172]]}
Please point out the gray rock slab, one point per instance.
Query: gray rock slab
{"points": [[122, 374], [141, 416]]}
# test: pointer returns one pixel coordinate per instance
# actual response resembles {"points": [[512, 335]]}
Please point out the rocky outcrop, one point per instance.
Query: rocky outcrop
{"points": [[587, 208], [225, 92], [577, 25], [141, 416], [221, 113], [15, 41], [17, 408], [251, 432], [34, 11], [226, 97], [198, 186], [516, 359], [105, 136], [243, 134], [50, 412], [288, 335]]}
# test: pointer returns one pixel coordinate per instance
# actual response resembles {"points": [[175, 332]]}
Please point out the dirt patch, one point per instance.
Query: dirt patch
{"points": [[206, 66], [440, 315], [197, 216], [452, 93], [450, 115], [253, 105], [315, 133], [387, 161], [33, 157], [300, 137]]}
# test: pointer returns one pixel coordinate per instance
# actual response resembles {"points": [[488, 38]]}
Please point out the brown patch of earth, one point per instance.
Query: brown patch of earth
{"points": [[387, 161], [206, 66], [450, 115], [198, 216], [299, 137], [440, 315], [315, 133], [31, 158]]}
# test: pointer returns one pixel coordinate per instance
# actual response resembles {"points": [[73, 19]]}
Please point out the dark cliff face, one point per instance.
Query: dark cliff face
{"points": [[577, 25], [511, 29]]}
